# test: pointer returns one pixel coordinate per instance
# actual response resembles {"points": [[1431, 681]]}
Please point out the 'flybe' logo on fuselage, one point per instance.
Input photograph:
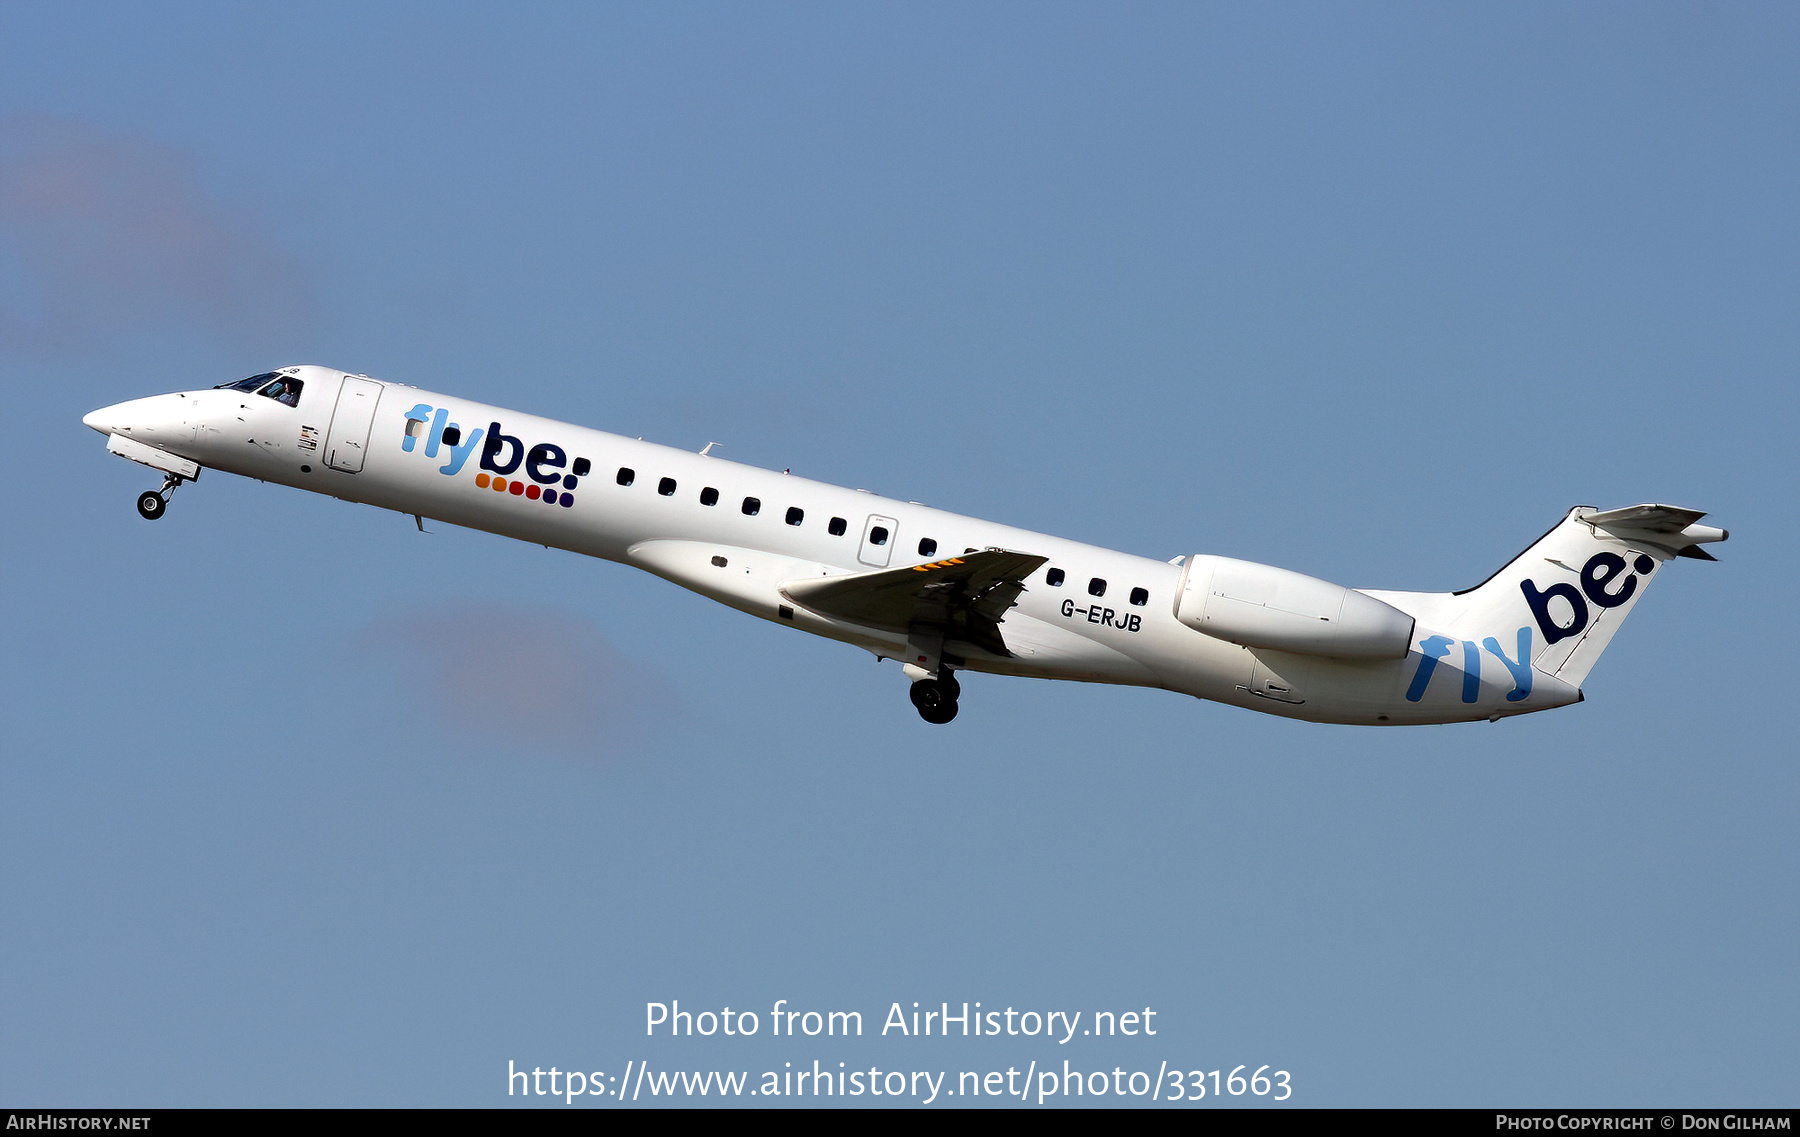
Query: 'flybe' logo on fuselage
{"points": [[1600, 583], [551, 472]]}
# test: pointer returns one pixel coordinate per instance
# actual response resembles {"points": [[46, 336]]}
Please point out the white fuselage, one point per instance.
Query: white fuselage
{"points": [[659, 522]]}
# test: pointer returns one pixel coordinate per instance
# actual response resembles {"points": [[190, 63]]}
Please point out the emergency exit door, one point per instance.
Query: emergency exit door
{"points": [[878, 541]]}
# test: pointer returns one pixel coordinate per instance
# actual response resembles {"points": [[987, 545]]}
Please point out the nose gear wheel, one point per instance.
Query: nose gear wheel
{"points": [[152, 504]]}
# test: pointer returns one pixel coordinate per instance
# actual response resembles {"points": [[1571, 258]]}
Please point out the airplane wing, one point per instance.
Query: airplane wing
{"points": [[966, 597]]}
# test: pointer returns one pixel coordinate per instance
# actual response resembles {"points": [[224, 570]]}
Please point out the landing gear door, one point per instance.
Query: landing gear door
{"points": [[348, 438], [878, 540]]}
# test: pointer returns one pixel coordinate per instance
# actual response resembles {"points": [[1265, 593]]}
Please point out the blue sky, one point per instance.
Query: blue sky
{"points": [[1374, 293]]}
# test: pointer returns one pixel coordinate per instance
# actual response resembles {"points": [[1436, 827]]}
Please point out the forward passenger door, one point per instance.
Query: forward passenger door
{"points": [[348, 439]]}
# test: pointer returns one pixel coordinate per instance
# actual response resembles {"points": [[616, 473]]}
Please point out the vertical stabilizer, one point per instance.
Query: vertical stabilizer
{"points": [[1562, 600]]}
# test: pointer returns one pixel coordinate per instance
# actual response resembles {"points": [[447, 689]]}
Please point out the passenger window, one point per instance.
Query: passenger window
{"points": [[415, 428], [878, 535], [453, 436], [709, 496], [927, 547], [581, 467], [795, 515], [752, 506], [1054, 578], [837, 526], [666, 487], [626, 475], [1096, 587], [1140, 596]]}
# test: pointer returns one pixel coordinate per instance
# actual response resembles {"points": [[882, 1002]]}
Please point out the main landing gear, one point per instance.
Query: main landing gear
{"points": [[152, 504], [936, 698]]}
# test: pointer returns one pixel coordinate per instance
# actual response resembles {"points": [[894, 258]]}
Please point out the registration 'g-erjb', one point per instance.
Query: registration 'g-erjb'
{"points": [[940, 592]]}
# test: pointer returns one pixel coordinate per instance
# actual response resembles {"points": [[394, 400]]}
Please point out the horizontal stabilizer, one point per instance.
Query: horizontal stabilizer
{"points": [[966, 597], [1650, 518], [1669, 528]]}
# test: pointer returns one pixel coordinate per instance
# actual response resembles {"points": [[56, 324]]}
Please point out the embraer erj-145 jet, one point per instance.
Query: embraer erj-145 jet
{"points": [[940, 592]]}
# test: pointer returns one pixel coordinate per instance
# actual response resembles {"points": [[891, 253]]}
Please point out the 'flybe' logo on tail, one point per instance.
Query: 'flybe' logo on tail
{"points": [[552, 475], [1606, 582], [1601, 583]]}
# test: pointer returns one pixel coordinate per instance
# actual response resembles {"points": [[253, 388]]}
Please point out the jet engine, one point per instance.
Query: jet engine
{"points": [[1262, 606]]}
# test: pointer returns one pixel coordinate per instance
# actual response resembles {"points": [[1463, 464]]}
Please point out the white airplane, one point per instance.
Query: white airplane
{"points": [[937, 591]]}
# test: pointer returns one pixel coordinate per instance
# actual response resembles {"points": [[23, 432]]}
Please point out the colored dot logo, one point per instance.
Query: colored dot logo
{"points": [[530, 491]]}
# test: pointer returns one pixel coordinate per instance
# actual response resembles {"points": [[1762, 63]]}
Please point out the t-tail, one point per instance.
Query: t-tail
{"points": [[1560, 602]]}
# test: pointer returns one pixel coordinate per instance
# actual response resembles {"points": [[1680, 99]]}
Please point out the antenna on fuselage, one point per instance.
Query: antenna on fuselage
{"points": [[707, 449]]}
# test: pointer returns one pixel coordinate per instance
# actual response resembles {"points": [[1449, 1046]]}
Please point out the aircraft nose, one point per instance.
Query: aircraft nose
{"points": [[101, 420], [156, 415]]}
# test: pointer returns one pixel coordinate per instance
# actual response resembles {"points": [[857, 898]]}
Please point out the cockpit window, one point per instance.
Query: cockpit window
{"points": [[249, 384], [283, 390]]}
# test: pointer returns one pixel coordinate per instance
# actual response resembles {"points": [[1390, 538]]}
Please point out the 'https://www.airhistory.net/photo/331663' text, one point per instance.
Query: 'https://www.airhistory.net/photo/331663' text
{"points": [[810, 1076]]}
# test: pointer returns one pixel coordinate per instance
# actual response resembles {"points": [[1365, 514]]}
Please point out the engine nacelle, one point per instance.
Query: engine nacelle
{"points": [[1262, 606]]}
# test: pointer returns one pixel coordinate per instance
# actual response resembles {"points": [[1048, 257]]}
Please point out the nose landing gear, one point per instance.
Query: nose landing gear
{"points": [[936, 698], [152, 504]]}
